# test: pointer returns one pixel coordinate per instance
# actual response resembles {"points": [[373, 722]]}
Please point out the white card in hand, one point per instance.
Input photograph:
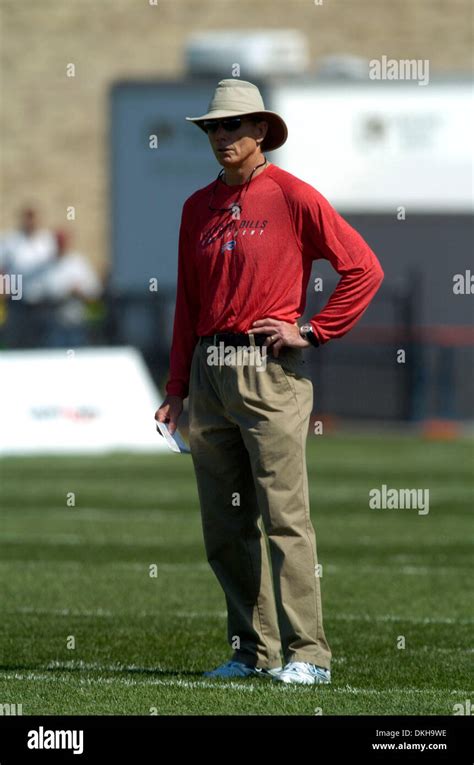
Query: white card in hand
{"points": [[175, 442]]}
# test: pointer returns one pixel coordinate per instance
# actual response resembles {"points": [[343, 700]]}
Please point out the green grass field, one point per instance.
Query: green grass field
{"points": [[141, 643]]}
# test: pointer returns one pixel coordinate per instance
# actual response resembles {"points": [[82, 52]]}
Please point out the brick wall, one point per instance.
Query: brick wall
{"points": [[54, 128]]}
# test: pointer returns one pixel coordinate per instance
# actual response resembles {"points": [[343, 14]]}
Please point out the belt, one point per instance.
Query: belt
{"points": [[234, 338]]}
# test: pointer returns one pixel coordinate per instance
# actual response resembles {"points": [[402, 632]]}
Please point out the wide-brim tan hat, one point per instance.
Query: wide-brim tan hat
{"points": [[238, 98]]}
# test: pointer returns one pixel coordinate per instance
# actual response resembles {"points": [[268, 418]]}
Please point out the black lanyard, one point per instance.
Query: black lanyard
{"points": [[234, 204]]}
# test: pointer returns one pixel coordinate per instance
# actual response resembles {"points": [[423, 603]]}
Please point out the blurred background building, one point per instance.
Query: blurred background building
{"points": [[97, 151]]}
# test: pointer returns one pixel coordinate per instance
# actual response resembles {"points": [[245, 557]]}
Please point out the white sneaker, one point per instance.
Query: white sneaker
{"points": [[304, 673], [238, 669]]}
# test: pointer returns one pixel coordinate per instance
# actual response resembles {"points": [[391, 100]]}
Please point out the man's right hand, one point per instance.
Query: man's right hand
{"points": [[170, 412]]}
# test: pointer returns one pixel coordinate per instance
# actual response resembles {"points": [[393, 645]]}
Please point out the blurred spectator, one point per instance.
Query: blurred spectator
{"points": [[67, 286], [25, 254]]}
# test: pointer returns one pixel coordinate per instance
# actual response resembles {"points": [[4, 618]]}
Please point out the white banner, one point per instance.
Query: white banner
{"points": [[380, 146], [83, 401]]}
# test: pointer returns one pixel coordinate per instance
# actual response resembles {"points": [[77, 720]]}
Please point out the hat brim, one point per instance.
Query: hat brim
{"points": [[277, 132]]}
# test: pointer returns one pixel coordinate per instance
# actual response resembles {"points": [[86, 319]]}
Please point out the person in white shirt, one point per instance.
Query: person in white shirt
{"points": [[67, 286], [25, 254]]}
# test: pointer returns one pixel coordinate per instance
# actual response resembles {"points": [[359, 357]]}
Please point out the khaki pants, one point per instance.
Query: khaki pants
{"points": [[248, 431]]}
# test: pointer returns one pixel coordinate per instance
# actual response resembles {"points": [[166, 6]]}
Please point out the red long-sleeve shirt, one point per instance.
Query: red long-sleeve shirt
{"points": [[233, 272]]}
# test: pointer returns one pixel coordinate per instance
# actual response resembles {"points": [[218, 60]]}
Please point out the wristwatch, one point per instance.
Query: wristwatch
{"points": [[307, 332]]}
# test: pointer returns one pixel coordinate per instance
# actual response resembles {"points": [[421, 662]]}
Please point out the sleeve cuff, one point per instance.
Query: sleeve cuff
{"points": [[316, 336], [176, 388]]}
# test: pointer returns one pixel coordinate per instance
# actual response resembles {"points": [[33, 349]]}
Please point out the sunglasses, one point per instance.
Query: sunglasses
{"points": [[229, 125]]}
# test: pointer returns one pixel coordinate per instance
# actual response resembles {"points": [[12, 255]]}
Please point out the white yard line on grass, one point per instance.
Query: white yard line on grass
{"points": [[409, 691], [329, 568], [105, 613], [102, 612], [244, 687], [392, 568], [76, 564], [98, 514], [391, 618], [87, 541], [52, 678]]}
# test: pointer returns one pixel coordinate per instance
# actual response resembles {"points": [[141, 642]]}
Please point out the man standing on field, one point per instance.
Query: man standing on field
{"points": [[246, 247]]}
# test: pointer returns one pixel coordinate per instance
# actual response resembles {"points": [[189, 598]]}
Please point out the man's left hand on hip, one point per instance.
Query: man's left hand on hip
{"points": [[280, 333]]}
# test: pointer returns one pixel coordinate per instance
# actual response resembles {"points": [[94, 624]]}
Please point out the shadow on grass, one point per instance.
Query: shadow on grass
{"points": [[109, 670]]}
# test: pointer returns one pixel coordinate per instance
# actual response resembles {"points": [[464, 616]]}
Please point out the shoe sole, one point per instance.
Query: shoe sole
{"points": [[302, 682], [265, 676]]}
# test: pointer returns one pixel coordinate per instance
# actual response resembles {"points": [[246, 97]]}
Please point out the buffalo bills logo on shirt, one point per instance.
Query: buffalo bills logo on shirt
{"points": [[228, 246], [238, 228], [216, 231]]}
